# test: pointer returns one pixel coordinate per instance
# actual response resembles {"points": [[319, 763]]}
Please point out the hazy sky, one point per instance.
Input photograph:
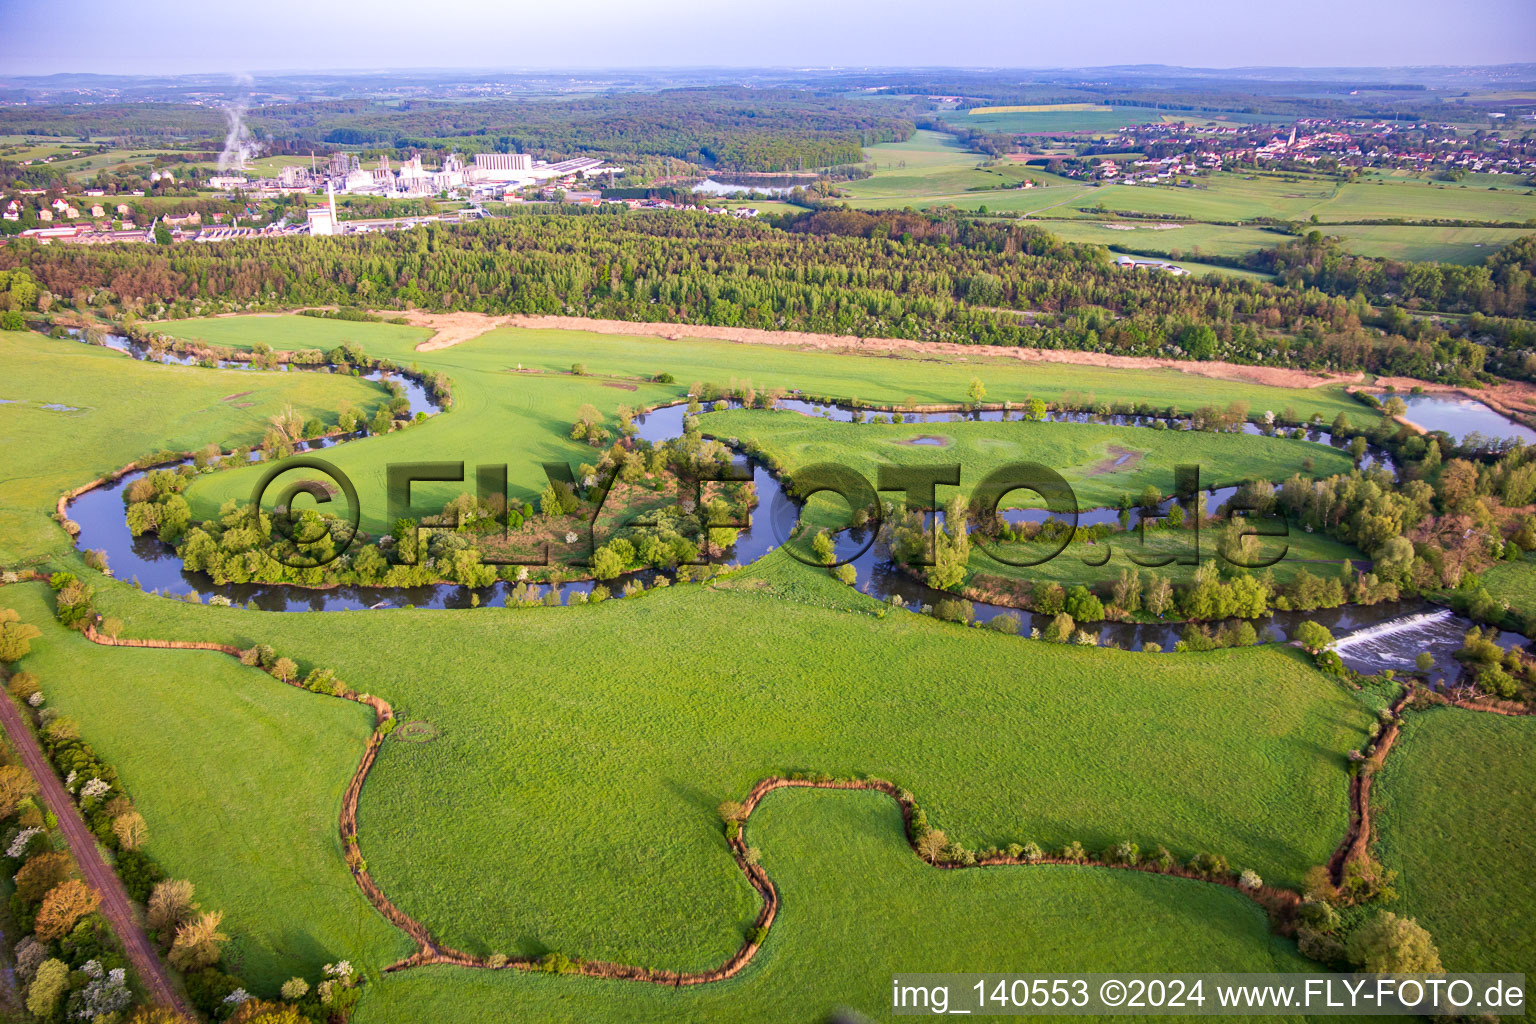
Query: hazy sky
{"points": [[172, 36]]}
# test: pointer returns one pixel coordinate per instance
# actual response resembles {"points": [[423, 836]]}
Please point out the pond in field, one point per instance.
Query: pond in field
{"points": [[1463, 417]]}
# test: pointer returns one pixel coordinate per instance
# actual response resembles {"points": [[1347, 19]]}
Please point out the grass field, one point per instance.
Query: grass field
{"points": [[1514, 582], [933, 169], [1077, 451], [1166, 238], [1453, 807], [1236, 197], [523, 418], [858, 908], [118, 410], [1439, 244], [596, 742], [240, 778]]}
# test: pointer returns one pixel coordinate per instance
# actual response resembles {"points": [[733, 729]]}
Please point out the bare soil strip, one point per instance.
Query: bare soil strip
{"points": [[453, 328]]}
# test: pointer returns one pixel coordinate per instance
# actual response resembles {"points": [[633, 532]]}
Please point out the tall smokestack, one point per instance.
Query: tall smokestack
{"points": [[330, 196]]}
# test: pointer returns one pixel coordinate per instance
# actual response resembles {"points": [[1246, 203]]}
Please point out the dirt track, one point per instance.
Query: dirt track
{"points": [[454, 328], [114, 900]]}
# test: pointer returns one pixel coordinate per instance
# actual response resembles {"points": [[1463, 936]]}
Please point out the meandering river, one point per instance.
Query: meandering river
{"points": [[1374, 637]]}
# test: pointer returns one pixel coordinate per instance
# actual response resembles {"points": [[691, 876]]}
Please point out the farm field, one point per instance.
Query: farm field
{"points": [[933, 169], [530, 411], [106, 410], [1453, 816], [1192, 240], [630, 709], [1167, 237], [248, 810], [1233, 197], [851, 887], [1438, 244]]}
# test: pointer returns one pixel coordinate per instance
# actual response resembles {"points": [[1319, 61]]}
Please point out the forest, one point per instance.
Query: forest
{"points": [[897, 275]]}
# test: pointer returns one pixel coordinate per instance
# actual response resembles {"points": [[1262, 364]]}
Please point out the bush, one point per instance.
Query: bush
{"points": [[1124, 852], [1388, 944], [1323, 948], [1314, 636], [1209, 865], [1318, 916], [1073, 853], [1007, 622]]}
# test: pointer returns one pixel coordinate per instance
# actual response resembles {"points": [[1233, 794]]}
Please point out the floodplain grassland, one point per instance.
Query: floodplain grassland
{"points": [[515, 395], [859, 909], [1452, 810], [550, 721], [75, 412], [1083, 453], [240, 778]]}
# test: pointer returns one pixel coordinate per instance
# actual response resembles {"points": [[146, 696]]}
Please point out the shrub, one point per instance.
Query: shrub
{"points": [[285, 669], [23, 685], [198, 943], [130, 829], [1208, 865], [1388, 944], [1314, 636], [1032, 853], [1162, 858], [1124, 852], [847, 574], [1318, 916], [731, 810], [170, 904], [15, 636], [47, 987], [932, 845], [1073, 853], [1325, 949], [1006, 622], [1249, 880]]}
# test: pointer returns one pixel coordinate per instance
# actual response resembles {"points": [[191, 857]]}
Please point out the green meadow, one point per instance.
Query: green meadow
{"points": [[1453, 816], [607, 735], [515, 396], [853, 893], [75, 412], [1083, 453], [240, 778]]}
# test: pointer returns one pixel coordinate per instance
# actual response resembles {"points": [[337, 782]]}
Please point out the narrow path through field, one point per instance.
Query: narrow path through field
{"points": [[114, 900]]}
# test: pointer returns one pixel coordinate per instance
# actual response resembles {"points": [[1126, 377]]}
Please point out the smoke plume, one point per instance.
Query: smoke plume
{"points": [[239, 147]]}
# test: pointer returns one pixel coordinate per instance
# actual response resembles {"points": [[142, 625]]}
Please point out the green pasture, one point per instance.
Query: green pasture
{"points": [[1452, 809], [1078, 451], [932, 168], [1514, 582], [1167, 238], [240, 779], [523, 417], [1317, 554], [858, 909], [1237, 197], [1436, 244], [568, 801], [117, 410]]}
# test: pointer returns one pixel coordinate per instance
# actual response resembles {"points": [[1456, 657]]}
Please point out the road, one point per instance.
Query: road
{"points": [[114, 900]]}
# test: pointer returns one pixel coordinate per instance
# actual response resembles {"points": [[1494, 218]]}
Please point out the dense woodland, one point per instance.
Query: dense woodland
{"points": [[845, 272], [728, 128]]}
